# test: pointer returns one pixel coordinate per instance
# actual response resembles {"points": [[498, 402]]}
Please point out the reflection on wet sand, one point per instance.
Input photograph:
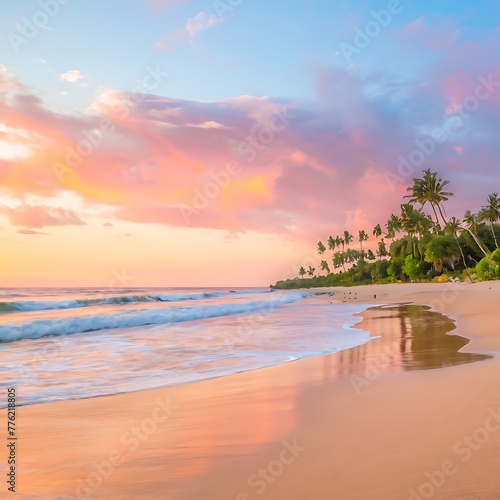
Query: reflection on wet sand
{"points": [[415, 338], [409, 337]]}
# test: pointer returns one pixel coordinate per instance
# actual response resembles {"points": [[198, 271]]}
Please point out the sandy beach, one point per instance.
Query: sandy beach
{"points": [[250, 250], [414, 413]]}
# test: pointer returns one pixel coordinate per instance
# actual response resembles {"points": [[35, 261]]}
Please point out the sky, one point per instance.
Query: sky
{"points": [[214, 142]]}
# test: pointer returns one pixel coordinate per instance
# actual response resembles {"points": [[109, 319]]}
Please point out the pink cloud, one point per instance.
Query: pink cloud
{"points": [[29, 232], [38, 216], [303, 168]]}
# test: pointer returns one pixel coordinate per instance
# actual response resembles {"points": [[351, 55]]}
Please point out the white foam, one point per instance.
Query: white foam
{"points": [[79, 324], [46, 305]]}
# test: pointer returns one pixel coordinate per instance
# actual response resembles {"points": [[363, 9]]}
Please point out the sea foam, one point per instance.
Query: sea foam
{"points": [[36, 329]]}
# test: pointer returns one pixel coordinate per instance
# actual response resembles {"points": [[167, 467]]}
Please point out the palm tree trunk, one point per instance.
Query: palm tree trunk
{"points": [[493, 233], [463, 258], [441, 213], [478, 243], [435, 213]]}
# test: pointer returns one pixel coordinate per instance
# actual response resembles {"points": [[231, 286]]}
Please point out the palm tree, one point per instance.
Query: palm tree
{"points": [[491, 214], [302, 271], [416, 223], [363, 236], [310, 271], [325, 267], [382, 249], [348, 237], [351, 255], [321, 248], [436, 228], [339, 260], [453, 227], [332, 243], [429, 189], [370, 255], [339, 241], [377, 231], [407, 225], [470, 223], [393, 226], [471, 220], [423, 223]]}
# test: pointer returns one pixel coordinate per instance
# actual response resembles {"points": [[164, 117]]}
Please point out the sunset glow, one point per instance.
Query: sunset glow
{"points": [[158, 156]]}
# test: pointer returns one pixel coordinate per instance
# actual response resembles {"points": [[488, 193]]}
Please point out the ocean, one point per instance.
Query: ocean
{"points": [[59, 344]]}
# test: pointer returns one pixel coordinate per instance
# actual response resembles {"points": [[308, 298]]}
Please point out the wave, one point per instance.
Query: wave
{"points": [[34, 305], [80, 324], [174, 297], [28, 306], [205, 295]]}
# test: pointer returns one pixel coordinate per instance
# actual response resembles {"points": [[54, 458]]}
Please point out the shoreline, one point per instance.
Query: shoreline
{"points": [[347, 326], [219, 427], [351, 325]]}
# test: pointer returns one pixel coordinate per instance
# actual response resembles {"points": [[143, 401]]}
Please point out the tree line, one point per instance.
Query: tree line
{"points": [[423, 244]]}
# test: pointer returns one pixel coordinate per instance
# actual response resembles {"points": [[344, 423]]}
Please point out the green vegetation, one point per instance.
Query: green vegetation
{"points": [[423, 246]]}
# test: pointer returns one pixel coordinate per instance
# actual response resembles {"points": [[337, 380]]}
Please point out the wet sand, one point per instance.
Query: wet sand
{"points": [[367, 423]]}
